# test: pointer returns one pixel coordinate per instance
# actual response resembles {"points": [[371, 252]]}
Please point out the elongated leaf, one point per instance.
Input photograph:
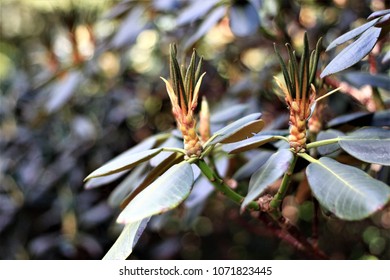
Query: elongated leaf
{"points": [[254, 163], [171, 142], [351, 34], [359, 79], [63, 91], [378, 14], [238, 130], [124, 161], [244, 19], [206, 25], [346, 191], [329, 134], [127, 185], [370, 144], [381, 118], [151, 177], [354, 52], [126, 241], [100, 181], [130, 28], [248, 144], [194, 11], [273, 169], [228, 113], [353, 118], [164, 194]]}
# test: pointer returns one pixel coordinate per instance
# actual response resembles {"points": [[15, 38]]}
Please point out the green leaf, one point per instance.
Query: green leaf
{"points": [[248, 144], [126, 241], [354, 52], [273, 169], [164, 194], [351, 34], [328, 134], [238, 130], [346, 191], [124, 161], [371, 144]]}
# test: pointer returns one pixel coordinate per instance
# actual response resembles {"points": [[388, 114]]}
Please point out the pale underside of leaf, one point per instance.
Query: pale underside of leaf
{"points": [[354, 52], [346, 191], [248, 144], [124, 161], [272, 170], [126, 241], [351, 34], [238, 130], [164, 194]]}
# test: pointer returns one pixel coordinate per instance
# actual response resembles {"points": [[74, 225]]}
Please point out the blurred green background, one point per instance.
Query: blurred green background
{"points": [[79, 84]]}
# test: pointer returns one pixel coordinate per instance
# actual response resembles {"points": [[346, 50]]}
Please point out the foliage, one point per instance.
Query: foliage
{"points": [[307, 172]]}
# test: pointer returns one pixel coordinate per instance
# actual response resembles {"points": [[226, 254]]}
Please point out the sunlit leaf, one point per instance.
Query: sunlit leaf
{"points": [[329, 134], [351, 34], [346, 191], [244, 19], [151, 177], [355, 52], [126, 241], [164, 194], [127, 185], [124, 161], [371, 144], [238, 130], [101, 181], [171, 142], [272, 170]]}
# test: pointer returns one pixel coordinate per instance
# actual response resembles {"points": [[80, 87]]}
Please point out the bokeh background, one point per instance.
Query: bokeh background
{"points": [[79, 84]]}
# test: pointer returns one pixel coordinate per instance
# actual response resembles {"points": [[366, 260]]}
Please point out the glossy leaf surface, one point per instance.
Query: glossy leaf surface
{"points": [[346, 191], [351, 34], [164, 194], [329, 134], [353, 53], [370, 144]]}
